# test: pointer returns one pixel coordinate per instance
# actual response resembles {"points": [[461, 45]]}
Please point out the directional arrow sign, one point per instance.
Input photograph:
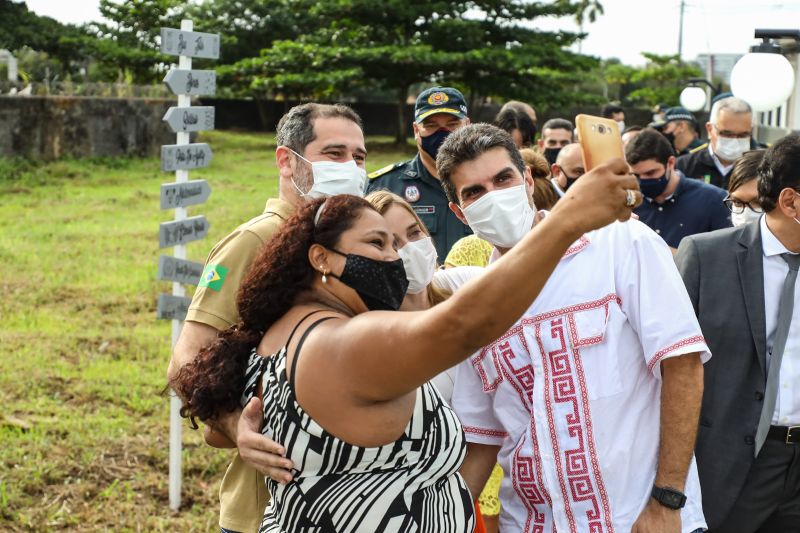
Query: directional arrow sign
{"points": [[198, 118], [192, 82], [172, 307], [189, 43], [184, 194], [182, 231], [185, 156], [180, 270]]}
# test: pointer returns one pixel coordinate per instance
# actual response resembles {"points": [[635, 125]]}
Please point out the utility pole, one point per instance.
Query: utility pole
{"points": [[680, 33]]}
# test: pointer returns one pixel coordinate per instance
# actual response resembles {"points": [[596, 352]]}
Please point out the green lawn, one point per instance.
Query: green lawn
{"points": [[84, 426]]}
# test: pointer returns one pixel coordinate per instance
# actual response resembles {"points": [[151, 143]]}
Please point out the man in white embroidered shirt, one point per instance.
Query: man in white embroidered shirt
{"points": [[590, 403]]}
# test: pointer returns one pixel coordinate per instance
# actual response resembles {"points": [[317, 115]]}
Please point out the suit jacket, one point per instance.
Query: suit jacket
{"points": [[724, 276], [699, 164]]}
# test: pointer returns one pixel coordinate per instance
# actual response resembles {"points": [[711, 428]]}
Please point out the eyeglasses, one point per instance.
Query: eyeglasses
{"points": [[733, 134], [737, 206]]}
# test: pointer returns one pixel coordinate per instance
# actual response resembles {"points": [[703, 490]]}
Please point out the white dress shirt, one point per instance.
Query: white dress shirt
{"points": [[787, 402], [571, 393]]}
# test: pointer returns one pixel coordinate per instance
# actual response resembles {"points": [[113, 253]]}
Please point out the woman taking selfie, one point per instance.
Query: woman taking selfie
{"points": [[344, 377]]}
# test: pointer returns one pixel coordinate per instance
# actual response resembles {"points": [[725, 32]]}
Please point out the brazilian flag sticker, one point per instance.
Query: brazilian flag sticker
{"points": [[213, 277]]}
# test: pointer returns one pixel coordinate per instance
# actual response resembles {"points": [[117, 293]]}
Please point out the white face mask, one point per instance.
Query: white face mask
{"points": [[419, 260], [621, 126], [745, 217], [731, 149], [332, 178], [501, 217]]}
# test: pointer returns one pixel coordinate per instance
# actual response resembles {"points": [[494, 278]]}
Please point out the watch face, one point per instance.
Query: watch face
{"points": [[673, 499]]}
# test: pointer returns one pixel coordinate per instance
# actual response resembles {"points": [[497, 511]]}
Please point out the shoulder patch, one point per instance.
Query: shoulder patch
{"points": [[388, 168], [703, 146]]}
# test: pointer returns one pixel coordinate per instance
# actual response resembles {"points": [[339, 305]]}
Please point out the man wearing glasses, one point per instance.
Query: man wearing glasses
{"points": [[729, 128], [744, 289], [673, 206]]}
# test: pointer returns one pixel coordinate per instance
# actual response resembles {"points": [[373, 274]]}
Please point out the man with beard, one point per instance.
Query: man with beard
{"points": [[439, 111]]}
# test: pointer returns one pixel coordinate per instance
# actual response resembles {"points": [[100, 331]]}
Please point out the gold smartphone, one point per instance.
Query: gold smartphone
{"points": [[600, 140]]}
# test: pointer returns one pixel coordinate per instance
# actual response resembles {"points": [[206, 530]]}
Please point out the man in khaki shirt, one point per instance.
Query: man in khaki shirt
{"points": [[306, 134]]}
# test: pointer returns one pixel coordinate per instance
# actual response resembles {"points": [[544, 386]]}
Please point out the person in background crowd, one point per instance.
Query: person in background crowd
{"points": [[608, 357], [522, 107], [439, 111], [335, 258], [659, 116], [518, 124], [742, 200], [615, 113], [680, 129], [544, 197], [729, 128], [743, 285], [556, 134], [320, 152], [629, 133], [567, 169], [674, 206]]}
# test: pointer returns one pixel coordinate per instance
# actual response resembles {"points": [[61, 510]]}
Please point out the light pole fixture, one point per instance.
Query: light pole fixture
{"points": [[693, 97], [764, 78]]}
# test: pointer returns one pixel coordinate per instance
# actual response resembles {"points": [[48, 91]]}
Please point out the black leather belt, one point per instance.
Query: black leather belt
{"points": [[787, 434]]}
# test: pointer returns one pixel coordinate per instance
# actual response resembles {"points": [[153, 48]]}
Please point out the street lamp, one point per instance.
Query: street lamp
{"points": [[764, 78], [693, 97]]}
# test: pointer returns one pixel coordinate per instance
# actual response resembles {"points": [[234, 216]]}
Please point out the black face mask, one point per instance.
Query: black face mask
{"points": [[381, 285], [551, 154], [570, 181], [670, 137], [433, 142]]}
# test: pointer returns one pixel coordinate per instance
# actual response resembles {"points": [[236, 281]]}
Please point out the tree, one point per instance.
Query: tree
{"points": [[487, 48], [21, 29], [661, 80], [126, 47]]}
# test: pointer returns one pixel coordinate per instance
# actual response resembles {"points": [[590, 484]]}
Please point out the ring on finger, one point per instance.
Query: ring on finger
{"points": [[630, 197]]}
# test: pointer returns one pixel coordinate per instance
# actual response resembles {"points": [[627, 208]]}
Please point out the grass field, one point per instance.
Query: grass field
{"points": [[84, 426]]}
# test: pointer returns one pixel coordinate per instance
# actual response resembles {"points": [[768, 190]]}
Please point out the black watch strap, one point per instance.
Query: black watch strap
{"points": [[669, 497]]}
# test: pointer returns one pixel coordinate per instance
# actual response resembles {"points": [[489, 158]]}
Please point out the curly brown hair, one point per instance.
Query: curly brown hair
{"points": [[212, 384]]}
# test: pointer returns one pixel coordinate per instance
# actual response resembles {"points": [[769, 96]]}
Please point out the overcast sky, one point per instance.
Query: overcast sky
{"points": [[627, 28]]}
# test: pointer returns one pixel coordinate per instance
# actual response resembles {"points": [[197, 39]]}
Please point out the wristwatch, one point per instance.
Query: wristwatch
{"points": [[668, 497]]}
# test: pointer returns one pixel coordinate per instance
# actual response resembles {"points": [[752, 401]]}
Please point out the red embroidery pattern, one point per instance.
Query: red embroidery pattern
{"points": [[485, 432], [669, 349], [561, 399], [526, 477], [582, 243]]}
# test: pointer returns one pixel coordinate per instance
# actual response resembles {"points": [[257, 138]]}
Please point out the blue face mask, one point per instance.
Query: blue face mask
{"points": [[433, 142], [654, 187]]}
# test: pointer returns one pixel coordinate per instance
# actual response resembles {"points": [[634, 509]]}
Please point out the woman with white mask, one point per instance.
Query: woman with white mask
{"points": [[742, 197], [427, 284]]}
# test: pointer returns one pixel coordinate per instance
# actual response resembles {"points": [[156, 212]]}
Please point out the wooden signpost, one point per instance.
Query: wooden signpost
{"points": [[180, 158]]}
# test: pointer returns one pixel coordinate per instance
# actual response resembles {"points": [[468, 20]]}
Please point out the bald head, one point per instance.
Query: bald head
{"points": [[569, 165]]}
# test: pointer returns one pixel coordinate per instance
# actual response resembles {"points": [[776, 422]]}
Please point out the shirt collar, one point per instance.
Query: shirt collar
{"points": [[282, 208], [722, 168], [769, 242], [576, 247]]}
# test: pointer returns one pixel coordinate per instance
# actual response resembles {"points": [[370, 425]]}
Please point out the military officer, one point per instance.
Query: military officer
{"points": [[438, 112]]}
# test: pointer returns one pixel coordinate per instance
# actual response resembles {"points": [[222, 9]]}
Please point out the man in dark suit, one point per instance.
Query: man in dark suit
{"points": [[729, 127], [742, 283]]}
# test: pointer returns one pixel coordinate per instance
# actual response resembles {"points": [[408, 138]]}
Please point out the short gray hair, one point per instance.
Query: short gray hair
{"points": [[467, 144], [296, 128], [732, 104]]}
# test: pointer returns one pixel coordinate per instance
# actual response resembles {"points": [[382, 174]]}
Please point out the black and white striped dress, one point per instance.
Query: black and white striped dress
{"points": [[410, 485]]}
